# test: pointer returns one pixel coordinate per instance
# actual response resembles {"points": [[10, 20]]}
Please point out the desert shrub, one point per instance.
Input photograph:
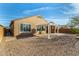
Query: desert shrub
{"points": [[75, 30]]}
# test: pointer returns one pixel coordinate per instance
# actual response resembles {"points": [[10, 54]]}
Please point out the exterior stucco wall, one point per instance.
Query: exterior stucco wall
{"points": [[34, 21], [1, 33]]}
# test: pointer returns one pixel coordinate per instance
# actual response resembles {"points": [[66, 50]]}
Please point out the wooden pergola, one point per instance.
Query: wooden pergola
{"points": [[56, 29]]}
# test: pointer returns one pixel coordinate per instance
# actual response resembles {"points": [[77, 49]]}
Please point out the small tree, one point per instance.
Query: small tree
{"points": [[73, 22]]}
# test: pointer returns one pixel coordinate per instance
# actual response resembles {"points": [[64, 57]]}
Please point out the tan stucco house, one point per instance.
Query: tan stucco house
{"points": [[34, 25], [1, 32]]}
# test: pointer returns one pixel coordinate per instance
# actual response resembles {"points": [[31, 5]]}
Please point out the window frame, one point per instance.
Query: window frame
{"points": [[24, 31], [41, 27]]}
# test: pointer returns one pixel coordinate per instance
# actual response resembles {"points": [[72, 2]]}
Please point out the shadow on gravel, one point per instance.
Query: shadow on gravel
{"points": [[22, 36]]}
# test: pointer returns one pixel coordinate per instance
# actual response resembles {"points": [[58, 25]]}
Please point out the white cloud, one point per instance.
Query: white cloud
{"points": [[58, 21], [39, 9], [75, 9]]}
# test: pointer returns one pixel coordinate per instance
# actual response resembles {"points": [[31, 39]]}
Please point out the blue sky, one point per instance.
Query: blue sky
{"points": [[60, 13]]}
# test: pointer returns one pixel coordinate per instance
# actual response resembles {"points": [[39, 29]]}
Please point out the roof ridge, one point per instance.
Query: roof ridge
{"points": [[25, 17]]}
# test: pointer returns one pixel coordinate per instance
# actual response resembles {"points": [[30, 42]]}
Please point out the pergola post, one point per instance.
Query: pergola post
{"points": [[49, 31], [57, 29]]}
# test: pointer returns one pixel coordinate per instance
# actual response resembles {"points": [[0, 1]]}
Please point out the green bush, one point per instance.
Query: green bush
{"points": [[75, 30]]}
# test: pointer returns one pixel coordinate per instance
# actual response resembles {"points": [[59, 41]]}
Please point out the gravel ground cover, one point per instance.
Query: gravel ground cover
{"points": [[63, 45]]}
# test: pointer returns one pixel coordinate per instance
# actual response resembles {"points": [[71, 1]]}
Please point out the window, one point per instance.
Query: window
{"points": [[25, 27], [41, 27]]}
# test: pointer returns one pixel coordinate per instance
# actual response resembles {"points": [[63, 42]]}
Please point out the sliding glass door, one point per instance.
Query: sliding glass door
{"points": [[24, 28]]}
